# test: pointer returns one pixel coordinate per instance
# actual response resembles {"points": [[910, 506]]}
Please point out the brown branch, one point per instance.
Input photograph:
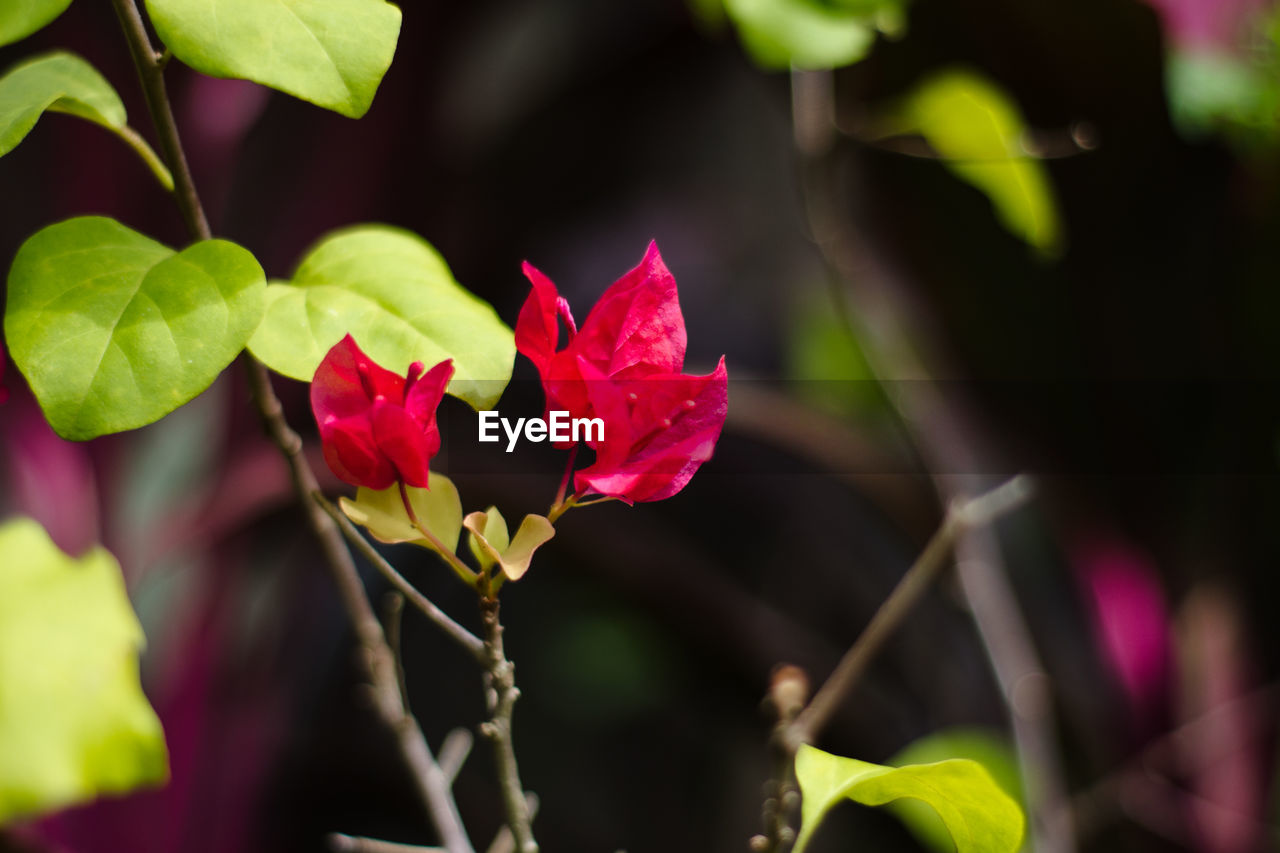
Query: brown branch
{"points": [[472, 644], [962, 517], [380, 664], [501, 694]]}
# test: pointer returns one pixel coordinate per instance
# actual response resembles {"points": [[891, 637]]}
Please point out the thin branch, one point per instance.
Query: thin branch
{"points": [[501, 695], [454, 751], [504, 841], [392, 621], [340, 843], [150, 67], [430, 781], [961, 517], [470, 643]]}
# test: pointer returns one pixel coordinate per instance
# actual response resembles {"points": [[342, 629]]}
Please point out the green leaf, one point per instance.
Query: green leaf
{"points": [[113, 330], [21, 18], [332, 53], [977, 129], [515, 557], [782, 34], [382, 513], [987, 748], [74, 722], [62, 82], [980, 817], [394, 294]]}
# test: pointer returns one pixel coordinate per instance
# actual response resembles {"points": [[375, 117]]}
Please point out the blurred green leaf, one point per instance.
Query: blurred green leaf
{"points": [[829, 367], [812, 34], [332, 53], [74, 722], [977, 131], [62, 82], [394, 294], [113, 330], [382, 513], [979, 816], [989, 749], [1209, 92], [21, 18]]}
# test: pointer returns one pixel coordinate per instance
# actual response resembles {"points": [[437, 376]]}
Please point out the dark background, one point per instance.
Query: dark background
{"points": [[1136, 373]]}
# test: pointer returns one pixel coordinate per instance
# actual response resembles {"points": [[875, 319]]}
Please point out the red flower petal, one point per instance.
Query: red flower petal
{"points": [[636, 328], [402, 441], [537, 328], [675, 422], [352, 453], [347, 380]]}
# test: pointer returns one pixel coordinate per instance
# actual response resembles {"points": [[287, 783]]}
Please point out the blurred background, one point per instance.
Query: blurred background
{"points": [[1095, 302]]}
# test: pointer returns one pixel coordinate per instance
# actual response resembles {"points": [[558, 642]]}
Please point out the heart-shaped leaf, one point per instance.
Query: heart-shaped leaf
{"points": [[62, 82], [980, 817], [332, 53], [73, 720], [113, 330], [21, 18], [514, 557], [382, 513], [393, 292]]}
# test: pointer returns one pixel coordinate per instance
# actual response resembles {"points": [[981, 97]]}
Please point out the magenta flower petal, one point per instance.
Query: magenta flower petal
{"points": [[351, 452], [372, 435], [674, 425], [636, 328]]}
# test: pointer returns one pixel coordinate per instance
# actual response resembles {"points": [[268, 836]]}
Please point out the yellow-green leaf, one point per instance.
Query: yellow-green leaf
{"points": [[980, 817], [977, 129], [395, 295], [21, 18], [74, 722], [332, 53]]}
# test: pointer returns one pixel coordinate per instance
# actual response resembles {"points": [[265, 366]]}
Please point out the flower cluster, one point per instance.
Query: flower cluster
{"points": [[377, 427], [624, 366]]}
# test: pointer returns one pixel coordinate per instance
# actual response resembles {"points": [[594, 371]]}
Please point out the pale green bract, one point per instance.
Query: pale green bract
{"points": [[74, 722], [394, 294], [980, 817], [62, 82], [332, 53], [21, 18], [113, 330], [977, 129], [382, 513]]}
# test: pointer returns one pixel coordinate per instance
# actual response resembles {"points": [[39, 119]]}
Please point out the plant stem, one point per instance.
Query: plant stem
{"points": [[460, 568], [472, 644], [500, 696], [429, 779], [150, 67], [962, 516]]}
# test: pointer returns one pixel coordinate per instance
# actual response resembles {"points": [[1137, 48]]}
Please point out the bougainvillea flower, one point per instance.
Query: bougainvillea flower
{"points": [[635, 330], [624, 366], [377, 427]]}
